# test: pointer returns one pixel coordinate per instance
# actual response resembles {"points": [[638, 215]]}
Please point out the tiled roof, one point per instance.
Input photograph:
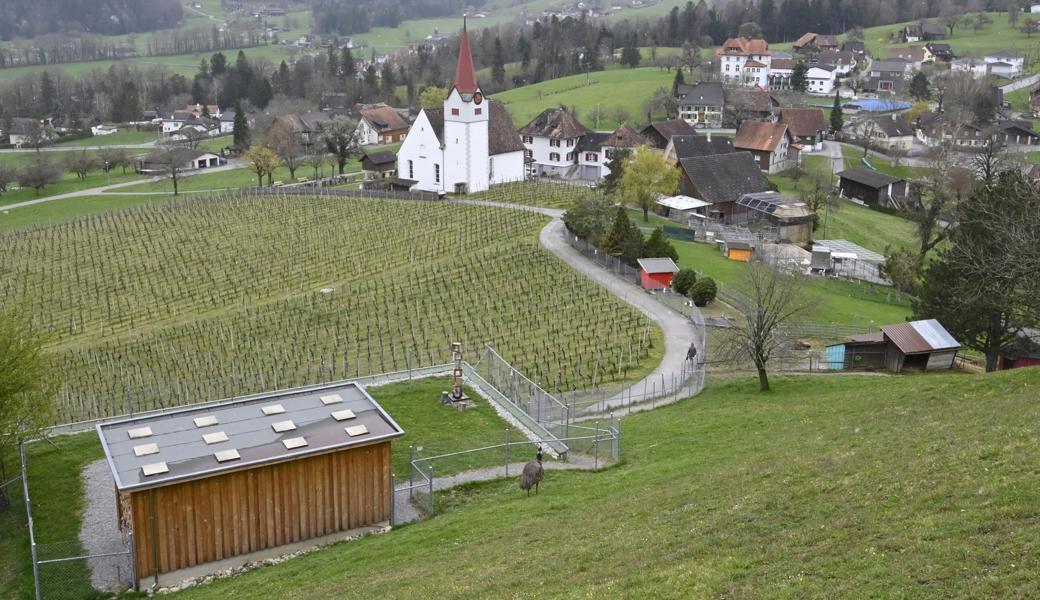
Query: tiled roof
{"points": [[759, 135], [670, 128], [686, 146], [743, 46], [724, 177], [384, 118], [502, 136], [555, 123], [709, 93], [804, 122], [783, 63], [752, 99]]}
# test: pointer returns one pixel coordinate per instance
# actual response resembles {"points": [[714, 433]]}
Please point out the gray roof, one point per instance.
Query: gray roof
{"points": [[892, 65], [897, 127], [709, 93], [725, 177], [1006, 54], [502, 136], [658, 265], [687, 146], [227, 116], [868, 177], [255, 430]]}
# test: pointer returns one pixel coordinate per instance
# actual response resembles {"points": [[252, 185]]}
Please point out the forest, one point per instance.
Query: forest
{"points": [[29, 18], [345, 18]]}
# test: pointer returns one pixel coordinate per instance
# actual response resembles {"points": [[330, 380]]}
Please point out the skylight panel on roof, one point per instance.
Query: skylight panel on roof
{"points": [[215, 438], [331, 399], [226, 455], [343, 415], [146, 449], [293, 443], [356, 430], [205, 421], [155, 469], [140, 432], [283, 426], [273, 409]]}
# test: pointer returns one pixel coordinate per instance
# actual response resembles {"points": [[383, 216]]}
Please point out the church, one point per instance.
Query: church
{"points": [[467, 145]]}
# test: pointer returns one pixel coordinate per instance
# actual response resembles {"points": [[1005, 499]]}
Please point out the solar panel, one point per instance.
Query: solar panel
{"points": [[273, 409], [356, 430], [293, 443], [283, 426], [146, 449], [155, 469], [331, 399], [226, 455], [215, 438], [343, 415], [140, 432], [205, 421]]}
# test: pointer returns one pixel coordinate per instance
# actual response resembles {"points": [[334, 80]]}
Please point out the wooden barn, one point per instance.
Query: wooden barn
{"points": [[656, 273], [918, 345], [238, 481], [872, 187]]}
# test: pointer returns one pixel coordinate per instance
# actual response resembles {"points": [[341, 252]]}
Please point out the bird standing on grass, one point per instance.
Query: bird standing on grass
{"points": [[533, 473]]}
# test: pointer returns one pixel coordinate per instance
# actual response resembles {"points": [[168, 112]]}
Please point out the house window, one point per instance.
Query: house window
{"points": [[411, 170], [528, 139], [607, 153], [554, 156], [554, 143], [455, 112], [570, 143], [478, 111], [570, 157], [591, 156], [436, 173], [529, 154]]}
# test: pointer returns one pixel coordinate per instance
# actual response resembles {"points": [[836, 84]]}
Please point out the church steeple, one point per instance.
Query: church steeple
{"points": [[465, 74]]}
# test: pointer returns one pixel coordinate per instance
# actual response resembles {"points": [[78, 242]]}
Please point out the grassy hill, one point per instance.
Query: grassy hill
{"points": [[913, 486]]}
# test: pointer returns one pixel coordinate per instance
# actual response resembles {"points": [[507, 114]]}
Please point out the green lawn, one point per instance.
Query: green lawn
{"points": [[828, 486], [831, 301], [125, 135], [69, 182], [230, 179], [853, 158], [60, 211], [604, 91]]}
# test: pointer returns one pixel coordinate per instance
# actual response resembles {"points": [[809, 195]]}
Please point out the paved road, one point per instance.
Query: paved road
{"points": [[832, 150], [144, 146]]}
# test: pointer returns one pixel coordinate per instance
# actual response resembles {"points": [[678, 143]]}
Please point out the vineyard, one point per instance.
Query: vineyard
{"points": [[545, 194], [199, 299]]}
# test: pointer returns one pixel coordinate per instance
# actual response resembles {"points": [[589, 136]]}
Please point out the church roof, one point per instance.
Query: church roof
{"points": [[465, 74], [502, 137]]}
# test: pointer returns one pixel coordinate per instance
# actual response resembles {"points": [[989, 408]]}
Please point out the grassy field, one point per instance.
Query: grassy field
{"points": [[603, 90], [913, 486], [213, 297], [68, 182], [853, 156], [124, 135], [62, 211], [230, 179]]}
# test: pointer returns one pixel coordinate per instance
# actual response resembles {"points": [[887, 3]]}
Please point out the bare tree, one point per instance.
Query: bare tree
{"points": [[774, 300], [8, 174], [115, 157], [38, 134], [286, 144], [81, 163], [340, 138], [171, 158], [39, 173], [316, 162]]}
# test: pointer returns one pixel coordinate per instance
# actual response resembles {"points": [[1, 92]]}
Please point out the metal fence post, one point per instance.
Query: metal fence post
{"points": [[411, 469], [595, 447], [393, 500], [29, 519], [507, 452], [432, 506]]}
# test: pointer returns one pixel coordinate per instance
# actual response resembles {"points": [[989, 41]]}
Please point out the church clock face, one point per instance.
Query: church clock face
{"points": [[478, 98]]}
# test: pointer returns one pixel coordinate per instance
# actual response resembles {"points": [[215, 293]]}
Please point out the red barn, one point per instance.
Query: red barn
{"points": [[656, 273]]}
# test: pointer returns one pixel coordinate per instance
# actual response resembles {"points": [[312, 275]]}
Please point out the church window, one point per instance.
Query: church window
{"points": [[478, 111], [436, 173], [411, 170], [455, 112]]}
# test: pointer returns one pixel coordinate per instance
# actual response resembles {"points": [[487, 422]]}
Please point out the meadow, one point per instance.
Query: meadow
{"points": [[196, 299], [67, 182]]}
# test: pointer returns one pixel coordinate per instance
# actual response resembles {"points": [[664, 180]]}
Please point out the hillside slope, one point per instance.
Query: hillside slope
{"points": [[923, 485]]}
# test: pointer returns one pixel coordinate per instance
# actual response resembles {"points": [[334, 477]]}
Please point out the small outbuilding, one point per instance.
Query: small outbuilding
{"points": [[872, 187], [683, 207], [917, 345], [656, 273], [792, 218], [248, 479], [740, 251], [379, 164]]}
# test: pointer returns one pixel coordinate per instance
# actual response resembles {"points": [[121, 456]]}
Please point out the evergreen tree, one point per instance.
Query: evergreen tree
{"points": [[658, 246], [205, 110], [630, 55], [332, 63], [919, 87], [48, 96], [240, 131], [347, 68], [218, 64], [798, 80], [679, 80], [616, 164], [198, 91], [498, 63], [624, 239], [837, 117]]}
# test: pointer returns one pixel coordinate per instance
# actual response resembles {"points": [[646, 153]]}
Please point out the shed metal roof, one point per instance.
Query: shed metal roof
{"points": [[184, 444], [658, 265], [847, 247], [869, 177], [918, 337], [682, 202]]}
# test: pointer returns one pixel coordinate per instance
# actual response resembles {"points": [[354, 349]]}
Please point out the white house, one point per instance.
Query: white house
{"points": [[466, 146], [1007, 63], [176, 121], [551, 142], [819, 79], [597, 149], [1034, 8], [227, 122], [380, 124], [99, 130], [744, 62], [969, 64]]}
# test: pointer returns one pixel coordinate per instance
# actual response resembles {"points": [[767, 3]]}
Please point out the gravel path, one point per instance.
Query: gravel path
{"points": [[99, 532], [405, 512]]}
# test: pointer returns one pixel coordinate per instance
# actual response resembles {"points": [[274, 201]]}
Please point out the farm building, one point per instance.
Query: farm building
{"points": [[792, 219], [248, 479], [184, 159], [872, 187], [1024, 352], [740, 251], [721, 180], [379, 164], [660, 133], [918, 345], [683, 207], [656, 273]]}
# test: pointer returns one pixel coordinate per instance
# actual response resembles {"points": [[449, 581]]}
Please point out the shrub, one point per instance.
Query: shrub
{"points": [[658, 246], [703, 292], [684, 280]]}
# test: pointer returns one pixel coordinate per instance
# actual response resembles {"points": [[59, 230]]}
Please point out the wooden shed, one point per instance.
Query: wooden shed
{"points": [[740, 251], [919, 345], [219, 485], [656, 273]]}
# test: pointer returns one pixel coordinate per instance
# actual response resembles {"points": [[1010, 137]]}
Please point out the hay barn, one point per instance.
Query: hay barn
{"points": [[211, 487]]}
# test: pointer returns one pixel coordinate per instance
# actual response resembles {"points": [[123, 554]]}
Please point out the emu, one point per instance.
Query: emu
{"points": [[533, 473]]}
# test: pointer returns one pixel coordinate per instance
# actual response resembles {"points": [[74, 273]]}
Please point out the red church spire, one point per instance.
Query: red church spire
{"points": [[465, 75]]}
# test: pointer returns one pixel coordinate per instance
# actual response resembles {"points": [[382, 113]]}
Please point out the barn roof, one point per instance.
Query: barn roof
{"points": [[658, 265], [759, 135], [229, 435], [918, 337], [804, 122], [868, 177], [724, 177], [669, 128]]}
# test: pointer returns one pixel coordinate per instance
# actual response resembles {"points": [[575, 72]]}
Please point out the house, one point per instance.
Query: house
{"points": [[185, 159], [917, 56], [969, 64], [842, 60], [872, 187], [101, 130], [307, 126], [1011, 132], [780, 73], [745, 103], [806, 125], [379, 164], [220, 485], [888, 76], [770, 143], [820, 79], [941, 52], [200, 110], [467, 145], [721, 179], [688, 146], [1023, 352], [924, 32], [744, 62], [1034, 8], [738, 251], [815, 41], [856, 47], [227, 122], [660, 133], [702, 104], [792, 219], [176, 121], [195, 128], [597, 148], [551, 142], [1007, 63], [380, 125], [21, 130], [656, 273], [935, 128], [890, 132]]}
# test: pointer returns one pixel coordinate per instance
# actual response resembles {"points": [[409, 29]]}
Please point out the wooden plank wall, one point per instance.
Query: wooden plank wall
{"points": [[245, 511]]}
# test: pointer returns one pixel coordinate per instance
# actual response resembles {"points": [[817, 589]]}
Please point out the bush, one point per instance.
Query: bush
{"points": [[684, 280], [658, 246], [703, 292]]}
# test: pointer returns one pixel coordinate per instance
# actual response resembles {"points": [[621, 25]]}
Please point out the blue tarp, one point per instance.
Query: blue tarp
{"points": [[878, 105]]}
